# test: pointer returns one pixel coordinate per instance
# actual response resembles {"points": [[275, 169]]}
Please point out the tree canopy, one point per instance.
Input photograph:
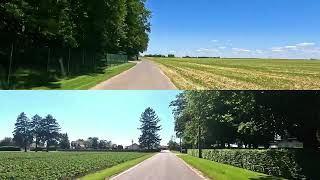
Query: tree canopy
{"points": [[102, 25], [246, 118]]}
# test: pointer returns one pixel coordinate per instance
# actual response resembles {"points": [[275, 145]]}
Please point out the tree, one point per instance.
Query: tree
{"points": [[37, 130], [93, 142], [7, 141], [173, 145], [64, 142], [149, 139], [22, 133], [51, 130]]}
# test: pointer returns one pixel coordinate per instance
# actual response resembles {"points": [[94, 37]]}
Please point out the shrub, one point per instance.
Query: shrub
{"points": [[291, 164], [9, 148]]}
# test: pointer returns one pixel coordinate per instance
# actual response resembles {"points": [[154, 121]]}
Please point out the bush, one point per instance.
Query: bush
{"points": [[291, 164], [9, 148]]}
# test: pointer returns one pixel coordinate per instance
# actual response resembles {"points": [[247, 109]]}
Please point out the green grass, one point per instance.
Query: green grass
{"points": [[31, 78], [60, 165], [109, 172], [248, 74], [87, 81], [218, 171]]}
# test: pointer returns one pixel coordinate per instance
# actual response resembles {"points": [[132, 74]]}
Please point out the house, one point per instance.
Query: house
{"points": [[79, 144], [133, 147]]}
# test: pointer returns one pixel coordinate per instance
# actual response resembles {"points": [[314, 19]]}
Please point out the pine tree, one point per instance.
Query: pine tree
{"points": [[64, 141], [149, 139], [22, 132], [36, 129], [51, 130]]}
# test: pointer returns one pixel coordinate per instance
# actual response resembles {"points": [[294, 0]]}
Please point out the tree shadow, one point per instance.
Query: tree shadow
{"points": [[265, 178]]}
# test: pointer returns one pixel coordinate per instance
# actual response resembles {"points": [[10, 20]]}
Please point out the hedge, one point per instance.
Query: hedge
{"points": [[291, 164], [9, 148]]}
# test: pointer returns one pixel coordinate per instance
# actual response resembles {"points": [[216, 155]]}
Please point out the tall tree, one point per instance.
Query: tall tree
{"points": [[51, 130], [64, 142], [149, 139], [22, 133], [37, 130]]}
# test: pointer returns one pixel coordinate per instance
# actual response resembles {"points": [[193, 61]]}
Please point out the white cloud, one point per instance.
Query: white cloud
{"points": [[240, 50], [222, 47], [172, 51], [306, 44], [277, 49], [207, 50], [291, 47], [214, 40], [259, 51]]}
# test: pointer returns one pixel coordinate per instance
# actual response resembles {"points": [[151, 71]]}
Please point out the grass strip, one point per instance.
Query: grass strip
{"points": [[85, 82], [218, 171], [109, 172]]}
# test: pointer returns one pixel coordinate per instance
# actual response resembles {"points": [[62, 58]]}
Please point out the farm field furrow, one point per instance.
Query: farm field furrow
{"points": [[233, 74], [59, 165]]}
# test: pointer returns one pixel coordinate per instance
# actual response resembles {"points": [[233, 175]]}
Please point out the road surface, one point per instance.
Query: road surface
{"points": [[163, 166], [144, 76]]}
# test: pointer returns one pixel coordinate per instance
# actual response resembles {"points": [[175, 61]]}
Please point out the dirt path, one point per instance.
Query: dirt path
{"points": [[144, 76]]}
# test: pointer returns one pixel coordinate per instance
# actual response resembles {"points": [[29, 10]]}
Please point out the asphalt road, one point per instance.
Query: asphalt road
{"points": [[163, 166], [144, 76]]}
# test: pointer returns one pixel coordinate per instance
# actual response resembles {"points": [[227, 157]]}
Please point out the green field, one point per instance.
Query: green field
{"points": [[218, 171], [59, 165], [244, 74]]}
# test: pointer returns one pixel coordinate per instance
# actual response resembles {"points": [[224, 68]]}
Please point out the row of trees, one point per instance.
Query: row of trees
{"points": [[211, 119], [103, 25], [38, 130], [95, 143]]}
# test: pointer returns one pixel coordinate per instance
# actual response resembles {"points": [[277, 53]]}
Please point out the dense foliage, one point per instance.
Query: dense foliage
{"points": [[39, 130], [291, 164], [44, 40], [60, 165], [104, 25], [247, 118]]}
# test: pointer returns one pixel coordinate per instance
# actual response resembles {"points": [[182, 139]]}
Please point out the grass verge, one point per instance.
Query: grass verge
{"points": [[88, 81], [107, 173], [218, 171]]}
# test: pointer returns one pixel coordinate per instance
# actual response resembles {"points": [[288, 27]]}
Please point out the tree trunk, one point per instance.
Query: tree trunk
{"points": [[10, 64], [47, 148], [36, 144], [199, 141], [48, 62], [310, 140], [25, 147]]}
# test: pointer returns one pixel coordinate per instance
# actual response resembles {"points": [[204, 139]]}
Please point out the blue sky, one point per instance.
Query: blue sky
{"points": [[110, 115], [233, 28]]}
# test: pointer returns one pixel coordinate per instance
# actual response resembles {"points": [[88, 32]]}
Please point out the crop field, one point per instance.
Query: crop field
{"points": [[244, 74], [59, 165]]}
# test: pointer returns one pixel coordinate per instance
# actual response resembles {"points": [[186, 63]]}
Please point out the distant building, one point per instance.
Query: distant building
{"points": [[79, 144], [133, 147]]}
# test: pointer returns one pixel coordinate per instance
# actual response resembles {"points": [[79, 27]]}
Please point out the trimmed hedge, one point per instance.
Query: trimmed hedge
{"points": [[9, 148], [291, 164]]}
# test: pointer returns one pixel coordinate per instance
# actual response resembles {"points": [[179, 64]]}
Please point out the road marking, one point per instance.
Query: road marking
{"points": [[130, 169]]}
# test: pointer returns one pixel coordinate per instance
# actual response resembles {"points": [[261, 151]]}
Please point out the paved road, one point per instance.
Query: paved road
{"points": [[163, 166], [144, 76]]}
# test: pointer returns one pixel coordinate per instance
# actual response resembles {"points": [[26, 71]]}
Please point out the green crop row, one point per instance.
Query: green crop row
{"points": [[58, 165], [291, 164]]}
